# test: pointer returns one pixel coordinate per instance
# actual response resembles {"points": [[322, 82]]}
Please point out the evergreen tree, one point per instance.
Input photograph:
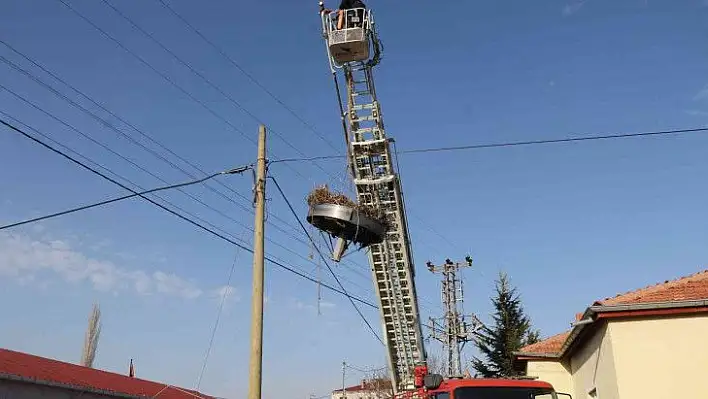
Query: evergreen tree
{"points": [[511, 331]]}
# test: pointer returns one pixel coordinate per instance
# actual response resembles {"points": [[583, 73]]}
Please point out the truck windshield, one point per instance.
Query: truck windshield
{"points": [[503, 393]]}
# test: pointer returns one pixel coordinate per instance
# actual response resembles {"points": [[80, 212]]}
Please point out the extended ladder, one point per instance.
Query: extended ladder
{"points": [[377, 186]]}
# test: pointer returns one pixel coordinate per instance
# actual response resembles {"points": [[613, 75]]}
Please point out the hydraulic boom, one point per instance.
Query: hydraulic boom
{"points": [[354, 51]]}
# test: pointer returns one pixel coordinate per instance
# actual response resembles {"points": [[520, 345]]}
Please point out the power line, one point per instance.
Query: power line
{"points": [[123, 197], [107, 148], [261, 86], [179, 215], [164, 76], [287, 201], [224, 295], [107, 124], [516, 143], [90, 161], [230, 98], [554, 141], [248, 75], [363, 370]]}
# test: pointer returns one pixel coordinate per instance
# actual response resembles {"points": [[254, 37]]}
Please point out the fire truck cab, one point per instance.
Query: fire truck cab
{"points": [[433, 386], [494, 389]]}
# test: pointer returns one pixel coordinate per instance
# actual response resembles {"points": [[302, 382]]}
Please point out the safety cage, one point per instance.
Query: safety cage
{"points": [[354, 41]]}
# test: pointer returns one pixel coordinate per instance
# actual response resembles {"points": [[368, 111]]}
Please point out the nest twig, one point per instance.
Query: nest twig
{"points": [[323, 195]]}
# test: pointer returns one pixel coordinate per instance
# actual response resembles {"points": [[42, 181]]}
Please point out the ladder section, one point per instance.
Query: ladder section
{"points": [[378, 186]]}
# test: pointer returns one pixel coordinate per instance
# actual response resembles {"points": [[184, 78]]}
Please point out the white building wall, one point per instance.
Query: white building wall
{"points": [[553, 372], [662, 358], [354, 395], [593, 367]]}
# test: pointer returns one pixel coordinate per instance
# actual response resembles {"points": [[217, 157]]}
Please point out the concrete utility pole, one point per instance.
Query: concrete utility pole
{"points": [[455, 330], [344, 387], [256, 364]]}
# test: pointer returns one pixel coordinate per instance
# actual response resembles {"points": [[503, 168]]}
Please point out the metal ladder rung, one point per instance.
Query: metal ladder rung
{"points": [[390, 269], [359, 107], [371, 143]]}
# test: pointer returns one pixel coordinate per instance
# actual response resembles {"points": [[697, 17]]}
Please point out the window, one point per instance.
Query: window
{"points": [[502, 393], [442, 395]]}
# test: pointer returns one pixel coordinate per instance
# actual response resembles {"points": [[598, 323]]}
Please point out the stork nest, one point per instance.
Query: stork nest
{"points": [[323, 195]]}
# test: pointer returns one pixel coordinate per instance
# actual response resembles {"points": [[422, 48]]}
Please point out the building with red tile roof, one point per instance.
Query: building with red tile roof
{"points": [[655, 334], [377, 388], [28, 376]]}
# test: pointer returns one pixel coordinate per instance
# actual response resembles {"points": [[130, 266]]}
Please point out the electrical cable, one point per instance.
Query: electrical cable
{"points": [[341, 116], [324, 260], [250, 77], [245, 73], [123, 197], [110, 126], [366, 371], [180, 216], [107, 148], [105, 123], [216, 228], [224, 295], [517, 143], [196, 395], [118, 176], [165, 77], [204, 78]]}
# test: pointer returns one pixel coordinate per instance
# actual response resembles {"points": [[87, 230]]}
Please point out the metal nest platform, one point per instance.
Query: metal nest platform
{"points": [[346, 223]]}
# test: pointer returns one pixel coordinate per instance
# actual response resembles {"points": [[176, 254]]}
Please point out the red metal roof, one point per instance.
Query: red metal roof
{"points": [[42, 370]]}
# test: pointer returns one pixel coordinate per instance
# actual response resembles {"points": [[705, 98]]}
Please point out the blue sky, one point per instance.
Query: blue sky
{"points": [[569, 223]]}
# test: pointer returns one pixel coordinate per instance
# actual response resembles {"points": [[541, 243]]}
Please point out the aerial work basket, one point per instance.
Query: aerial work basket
{"points": [[356, 41]]}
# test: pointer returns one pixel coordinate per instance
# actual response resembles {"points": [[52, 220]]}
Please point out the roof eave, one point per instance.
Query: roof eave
{"points": [[590, 316], [650, 306], [592, 312], [80, 388], [536, 355]]}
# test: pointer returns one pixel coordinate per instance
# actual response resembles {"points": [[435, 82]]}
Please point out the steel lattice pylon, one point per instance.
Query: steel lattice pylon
{"points": [[455, 328]]}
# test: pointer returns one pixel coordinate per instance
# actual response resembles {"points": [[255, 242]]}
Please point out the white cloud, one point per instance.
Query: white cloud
{"points": [[225, 292], [171, 284], [696, 112], [311, 306], [23, 258], [102, 244], [702, 94], [571, 9]]}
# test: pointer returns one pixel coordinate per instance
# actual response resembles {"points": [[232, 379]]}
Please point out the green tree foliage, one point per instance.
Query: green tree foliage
{"points": [[511, 331]]}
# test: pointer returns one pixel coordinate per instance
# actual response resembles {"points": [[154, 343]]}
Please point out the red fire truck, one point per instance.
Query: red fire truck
{"points": [[353, 50]]}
